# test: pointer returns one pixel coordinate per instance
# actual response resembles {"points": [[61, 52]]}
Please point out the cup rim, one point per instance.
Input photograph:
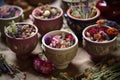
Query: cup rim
{"points": [[21, 12], [22, 23], [61, 13], [83, 34], [71, 1], [59, 49], [96, 16]]}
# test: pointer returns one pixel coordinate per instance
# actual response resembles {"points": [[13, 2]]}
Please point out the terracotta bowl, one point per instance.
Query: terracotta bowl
{"points": [[61, 57], [46, 25], [98, 50], [77, 24], [22, 46], [6, 21]]}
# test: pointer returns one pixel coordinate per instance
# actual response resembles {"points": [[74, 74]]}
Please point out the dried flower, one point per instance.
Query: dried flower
{"points": [[97, 36], [60, 41], [112, 32], [100, 22], [8, 11], [43, 66], [100, 32]]}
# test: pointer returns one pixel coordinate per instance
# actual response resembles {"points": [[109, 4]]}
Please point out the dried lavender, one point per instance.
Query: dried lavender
{"points": [[12, 70], [83, 10]]}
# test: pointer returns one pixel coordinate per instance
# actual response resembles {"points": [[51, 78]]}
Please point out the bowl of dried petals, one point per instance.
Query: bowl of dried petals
{"points": [[47, 18], [60, 47], [21, 38], [99, 39]]}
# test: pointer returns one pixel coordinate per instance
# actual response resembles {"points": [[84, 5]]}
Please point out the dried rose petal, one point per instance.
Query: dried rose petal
{"points": [[70, 36], [43, 66], [92, 31]]}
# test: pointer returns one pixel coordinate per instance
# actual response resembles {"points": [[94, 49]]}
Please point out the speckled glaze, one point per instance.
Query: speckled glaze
{"points": [[60, 57], [22, 46], [6, 21], [77, 25], [46, 25], [99, 50]]}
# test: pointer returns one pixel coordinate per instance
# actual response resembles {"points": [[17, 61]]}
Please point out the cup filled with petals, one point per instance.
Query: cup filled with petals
{"points": [[99, 39], [47, 18], [60, 47], [21, 38]]}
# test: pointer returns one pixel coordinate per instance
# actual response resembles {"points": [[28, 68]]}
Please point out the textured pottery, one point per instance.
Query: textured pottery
{"points": [[46, 25], [60, 57], [77, 24], [98, 49], [6, 21], [22, 46]]}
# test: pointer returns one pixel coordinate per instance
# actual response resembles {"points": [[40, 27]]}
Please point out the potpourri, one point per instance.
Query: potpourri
{"points": [[47, 12], [9, 11], [60, 40], [101, 33], [20, 31]]}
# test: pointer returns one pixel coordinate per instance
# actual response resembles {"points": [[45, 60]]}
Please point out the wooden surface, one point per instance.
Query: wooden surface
{"points": [[78, 64]]}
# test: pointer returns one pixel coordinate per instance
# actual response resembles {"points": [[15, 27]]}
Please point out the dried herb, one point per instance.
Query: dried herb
{"points": [[84, 9], [106, 70], [12, 70]]}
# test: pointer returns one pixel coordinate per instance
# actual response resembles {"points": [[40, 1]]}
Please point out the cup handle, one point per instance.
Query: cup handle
{"points": [[31, 17]]}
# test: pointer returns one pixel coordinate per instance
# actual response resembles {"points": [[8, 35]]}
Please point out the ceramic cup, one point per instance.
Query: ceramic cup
{"points": [[47, 25], [22, 47], [61, 57]]}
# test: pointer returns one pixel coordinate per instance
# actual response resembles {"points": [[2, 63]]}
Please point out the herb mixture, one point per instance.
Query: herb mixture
{"points": [[83, 10], [60, 40], [20, 31], [104, 70], [9, 11], [47, 12], [101, 33]]}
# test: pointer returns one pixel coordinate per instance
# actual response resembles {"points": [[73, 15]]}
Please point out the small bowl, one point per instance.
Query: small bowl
{"points": [[77, 24], [60, 57], [46, 25], [22, 46], [6, 21], [98, 50]]}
